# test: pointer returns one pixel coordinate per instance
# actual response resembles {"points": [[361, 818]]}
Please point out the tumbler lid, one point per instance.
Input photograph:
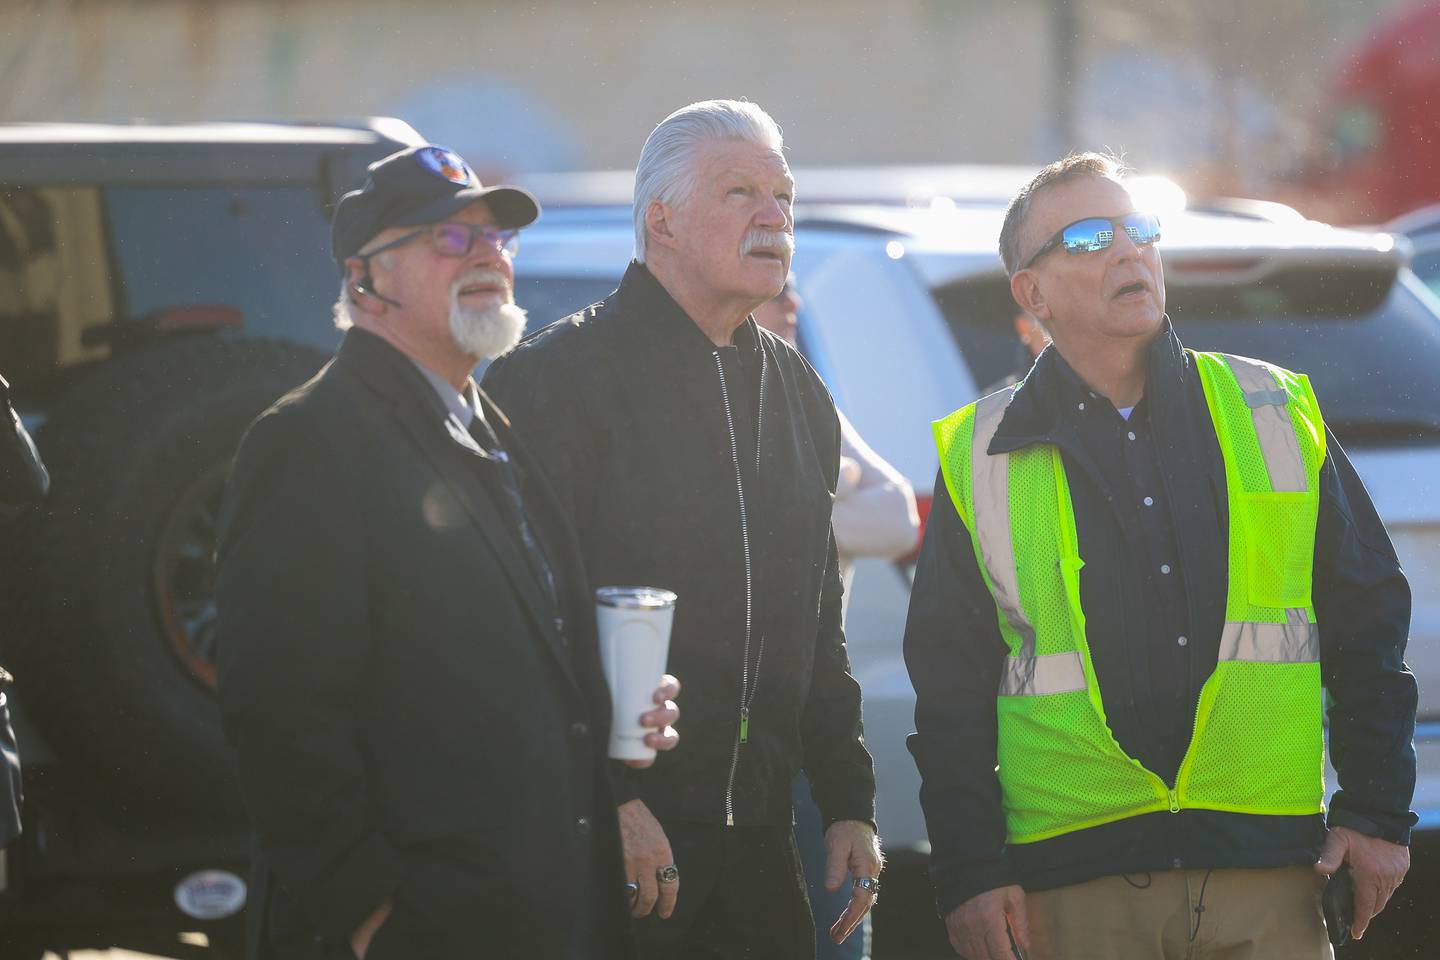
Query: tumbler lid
{"points": [[635, 598]]}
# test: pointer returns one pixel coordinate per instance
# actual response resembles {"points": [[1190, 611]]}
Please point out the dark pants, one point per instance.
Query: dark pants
{"points": [[742, 895]]}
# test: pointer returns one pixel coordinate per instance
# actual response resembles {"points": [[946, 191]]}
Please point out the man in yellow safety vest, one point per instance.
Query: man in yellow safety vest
{"points": [[1142, 566]]}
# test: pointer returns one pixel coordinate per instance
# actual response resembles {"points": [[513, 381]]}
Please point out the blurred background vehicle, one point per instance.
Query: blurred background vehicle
{"points": [[1422, 228], [1378, 152]]}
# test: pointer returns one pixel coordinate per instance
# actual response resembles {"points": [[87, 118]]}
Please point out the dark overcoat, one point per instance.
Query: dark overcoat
{"points": [[414, 719]]}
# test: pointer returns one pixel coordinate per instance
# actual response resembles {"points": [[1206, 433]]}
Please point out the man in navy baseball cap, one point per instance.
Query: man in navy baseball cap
{"points": [[410, 674]]}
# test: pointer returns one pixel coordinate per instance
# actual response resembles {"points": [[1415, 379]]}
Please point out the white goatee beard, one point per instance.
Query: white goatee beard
{"points": [[485, 332], [488, 332]]}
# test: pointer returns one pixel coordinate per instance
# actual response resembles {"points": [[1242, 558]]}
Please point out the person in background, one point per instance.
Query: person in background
{"points": [[874, 510], [1030, 341], [874, 516]]}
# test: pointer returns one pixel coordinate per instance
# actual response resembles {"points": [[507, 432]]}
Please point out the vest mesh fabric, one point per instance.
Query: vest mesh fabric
{"points": [[1257, 745], [1273, 709]]}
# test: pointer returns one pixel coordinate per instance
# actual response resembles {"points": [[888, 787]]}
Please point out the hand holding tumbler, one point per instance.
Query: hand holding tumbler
{"points": [[634, 627]]}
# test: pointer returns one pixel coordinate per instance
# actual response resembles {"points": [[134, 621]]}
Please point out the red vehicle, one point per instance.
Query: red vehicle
{"points": [[1382, 152]]}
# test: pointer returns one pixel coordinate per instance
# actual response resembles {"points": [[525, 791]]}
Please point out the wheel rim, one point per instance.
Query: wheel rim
{"points": [[184, 575]]}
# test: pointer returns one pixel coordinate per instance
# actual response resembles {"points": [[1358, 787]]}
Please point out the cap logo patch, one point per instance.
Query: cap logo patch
{"points": [[447, 164]]}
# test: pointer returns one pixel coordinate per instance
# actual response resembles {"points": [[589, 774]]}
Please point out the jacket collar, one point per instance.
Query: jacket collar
{"points": [[1045, 400], [645, 301]]}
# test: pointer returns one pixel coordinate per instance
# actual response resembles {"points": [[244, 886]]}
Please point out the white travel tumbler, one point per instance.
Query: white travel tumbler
{"points": [[634, 625]]}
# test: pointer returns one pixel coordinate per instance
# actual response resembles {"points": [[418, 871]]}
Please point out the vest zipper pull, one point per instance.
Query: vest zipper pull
{"points": [[744, 724], [1174, 801]]}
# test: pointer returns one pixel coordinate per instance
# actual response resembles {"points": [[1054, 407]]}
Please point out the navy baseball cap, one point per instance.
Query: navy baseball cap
{"points": [[416, 186]]}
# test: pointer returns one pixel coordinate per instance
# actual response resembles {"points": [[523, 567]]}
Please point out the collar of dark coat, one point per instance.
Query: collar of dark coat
{"points": [[646, 302], [386, 370], [1045, 401], [391, 374]]}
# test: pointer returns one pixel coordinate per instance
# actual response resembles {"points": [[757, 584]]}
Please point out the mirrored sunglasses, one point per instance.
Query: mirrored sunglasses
{"points": [[1097, 233]]}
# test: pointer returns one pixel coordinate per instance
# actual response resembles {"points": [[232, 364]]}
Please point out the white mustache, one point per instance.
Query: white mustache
{"points": [[756, 239], [481, 275]]}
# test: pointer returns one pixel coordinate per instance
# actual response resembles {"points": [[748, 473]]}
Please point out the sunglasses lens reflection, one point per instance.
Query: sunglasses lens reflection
{"points": [[1087, 236]]}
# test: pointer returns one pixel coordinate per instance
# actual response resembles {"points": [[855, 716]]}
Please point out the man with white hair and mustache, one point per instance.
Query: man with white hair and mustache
{"points": [[408, 667], [697, 452]]}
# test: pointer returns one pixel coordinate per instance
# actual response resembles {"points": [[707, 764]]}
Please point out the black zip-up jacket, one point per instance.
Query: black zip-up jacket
{"points": [[1151, 514], [650, 435]]}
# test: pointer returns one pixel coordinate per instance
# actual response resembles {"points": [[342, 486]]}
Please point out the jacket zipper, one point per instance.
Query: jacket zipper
{"points": [[747, 678]]}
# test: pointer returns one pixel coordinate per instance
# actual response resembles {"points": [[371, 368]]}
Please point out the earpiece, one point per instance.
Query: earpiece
{"points": [[364, 287]]}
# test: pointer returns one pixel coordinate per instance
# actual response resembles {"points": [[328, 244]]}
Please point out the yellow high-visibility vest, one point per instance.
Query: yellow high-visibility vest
{"points": [[1257, 746]]}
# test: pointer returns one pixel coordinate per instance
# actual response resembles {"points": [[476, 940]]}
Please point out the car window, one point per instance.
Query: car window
{"points": [[56, 280], [262, 250], [1427, 267], [1373, 372], [981, 316], [1373, 367]]}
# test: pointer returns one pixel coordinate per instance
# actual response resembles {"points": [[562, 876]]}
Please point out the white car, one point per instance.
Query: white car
{"points": [[1422, 228], [908, 316]]}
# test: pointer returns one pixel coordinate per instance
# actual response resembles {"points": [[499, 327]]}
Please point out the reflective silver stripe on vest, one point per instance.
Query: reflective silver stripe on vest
{"points": [[1266, 400], [1038, 676], [990, 485], [1295, 641]]}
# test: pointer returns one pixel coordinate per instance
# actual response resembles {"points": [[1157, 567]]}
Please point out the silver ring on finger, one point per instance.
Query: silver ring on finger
{"points": [[668, 873], [632, 891], [870, 885]]}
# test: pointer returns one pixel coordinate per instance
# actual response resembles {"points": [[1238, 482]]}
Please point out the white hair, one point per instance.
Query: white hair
{"points": [[665, 171]]}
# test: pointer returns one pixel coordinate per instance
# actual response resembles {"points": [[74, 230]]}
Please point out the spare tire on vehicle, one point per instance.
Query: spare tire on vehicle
{"points": [[116, 650]]}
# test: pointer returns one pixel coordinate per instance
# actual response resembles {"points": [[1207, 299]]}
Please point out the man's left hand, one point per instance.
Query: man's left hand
{"points": [[1378, 866], [661, 720], [852, 847]]}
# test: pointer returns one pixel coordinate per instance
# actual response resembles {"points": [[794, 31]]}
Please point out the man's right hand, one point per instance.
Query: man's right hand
{"points": [[977, 926], [360, 939], [647, 849]]}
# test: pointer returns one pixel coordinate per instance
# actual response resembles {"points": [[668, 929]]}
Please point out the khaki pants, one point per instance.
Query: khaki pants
{"points": [[1183, 915]]}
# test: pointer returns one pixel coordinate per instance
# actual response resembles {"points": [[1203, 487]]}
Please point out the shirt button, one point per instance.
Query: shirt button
{"points": [[1177, 863], [1131, 434], [1164, 568], [582, 826], [559, 624], [1182, 640], [1082, 404], [1149, 502], [579, 731]]}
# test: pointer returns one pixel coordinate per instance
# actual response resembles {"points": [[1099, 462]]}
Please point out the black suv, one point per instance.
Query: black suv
{"points": [[160, 285]]}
